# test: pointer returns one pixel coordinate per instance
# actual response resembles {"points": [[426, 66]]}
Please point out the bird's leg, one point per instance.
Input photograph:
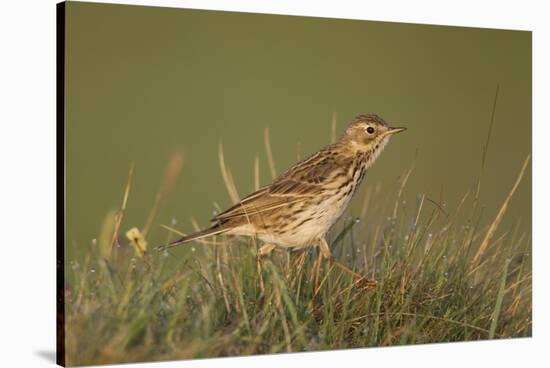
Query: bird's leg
{"points": [[265, 249], [325, 251], [324, 248], [317, 268]]}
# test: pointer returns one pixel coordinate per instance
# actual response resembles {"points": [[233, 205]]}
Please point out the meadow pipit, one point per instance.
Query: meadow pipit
{"points": [[300, 206]]}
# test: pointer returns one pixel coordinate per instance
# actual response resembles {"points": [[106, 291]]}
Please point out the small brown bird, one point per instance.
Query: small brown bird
{"points": [[300, 206]]}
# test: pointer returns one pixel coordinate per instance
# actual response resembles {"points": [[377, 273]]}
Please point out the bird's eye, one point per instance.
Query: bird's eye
{"points": [[370, 130]]}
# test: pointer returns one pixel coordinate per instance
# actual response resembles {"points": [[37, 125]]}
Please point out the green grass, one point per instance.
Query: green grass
{"points": [[442, 276]]}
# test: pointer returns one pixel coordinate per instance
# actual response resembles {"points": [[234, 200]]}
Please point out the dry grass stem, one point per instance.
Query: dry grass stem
{"points": [[494, 225], [227, 178], [269, 153]]}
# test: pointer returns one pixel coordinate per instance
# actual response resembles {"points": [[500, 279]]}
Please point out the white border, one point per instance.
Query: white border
{"points": [[27, 184]]}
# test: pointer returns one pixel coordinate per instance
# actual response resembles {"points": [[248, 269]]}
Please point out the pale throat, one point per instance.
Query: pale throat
{"points": [[370, 151], [374, 149]]}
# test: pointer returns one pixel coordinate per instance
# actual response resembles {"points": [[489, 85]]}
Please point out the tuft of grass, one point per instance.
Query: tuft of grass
{"points": [[442, 276], [218, 300]]}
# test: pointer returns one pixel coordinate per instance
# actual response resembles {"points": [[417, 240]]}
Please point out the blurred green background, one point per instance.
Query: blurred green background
{"points": [[143, 83]]}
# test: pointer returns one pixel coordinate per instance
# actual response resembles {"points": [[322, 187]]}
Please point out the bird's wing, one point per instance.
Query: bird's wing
{"points": [[299, 183], [246, 202], [269, 198]]}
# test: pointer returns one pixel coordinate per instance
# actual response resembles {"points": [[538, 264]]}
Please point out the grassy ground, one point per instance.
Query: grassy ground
{"points": [[442, 276]]}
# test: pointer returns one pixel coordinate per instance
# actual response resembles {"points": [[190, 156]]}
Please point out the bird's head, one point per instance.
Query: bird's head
{"points": [[369, 133]]}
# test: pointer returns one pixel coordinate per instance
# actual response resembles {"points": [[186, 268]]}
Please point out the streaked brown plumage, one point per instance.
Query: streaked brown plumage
{"points": [[300, 206]]}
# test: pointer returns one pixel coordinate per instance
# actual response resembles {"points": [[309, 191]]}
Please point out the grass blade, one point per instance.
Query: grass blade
{"points": [[500, 297]]}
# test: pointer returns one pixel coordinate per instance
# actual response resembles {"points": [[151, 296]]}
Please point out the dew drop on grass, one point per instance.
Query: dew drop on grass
{"points": [[192, 249], [357, 220], [92, 270], [173, 221], [94, 241], [430, 235]]}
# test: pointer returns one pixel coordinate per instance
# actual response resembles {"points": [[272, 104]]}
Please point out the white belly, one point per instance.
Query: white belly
{"points": [[323, 217]]}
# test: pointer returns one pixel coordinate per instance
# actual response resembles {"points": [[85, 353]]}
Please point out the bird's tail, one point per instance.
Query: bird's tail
{"points": [[214, 230]]}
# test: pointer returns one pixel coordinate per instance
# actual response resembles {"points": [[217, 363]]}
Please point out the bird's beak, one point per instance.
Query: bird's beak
{"points": [[396, 130]]}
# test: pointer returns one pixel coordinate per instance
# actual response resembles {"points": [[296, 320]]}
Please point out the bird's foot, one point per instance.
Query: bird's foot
{"points": [[359, 279], [367, 283]]}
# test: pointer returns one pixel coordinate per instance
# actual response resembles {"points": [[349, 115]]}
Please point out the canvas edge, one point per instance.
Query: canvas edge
{"points": [[60, 183]]}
